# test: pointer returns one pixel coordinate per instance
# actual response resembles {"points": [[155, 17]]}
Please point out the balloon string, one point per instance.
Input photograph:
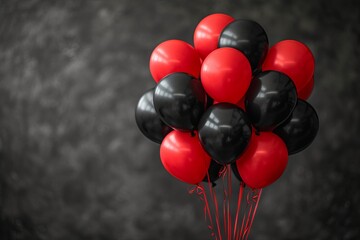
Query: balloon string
{"points": [[229, 197], [216, 205], [224, 201], [201, 193], [244, 221], [238, 208], [213, 196], [246, 229], [256, 199], [252, 198], [208, 207], [252, 202]]}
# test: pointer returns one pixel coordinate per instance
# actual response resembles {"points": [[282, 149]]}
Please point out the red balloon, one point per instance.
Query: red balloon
{"points": [[241, 103], [183, 157], [207, 33], [174, 56], [305, 93], [292, 58], [264, 161], [226, 75]]}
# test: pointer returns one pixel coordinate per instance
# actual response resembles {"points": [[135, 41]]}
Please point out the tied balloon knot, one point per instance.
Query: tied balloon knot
{"points": [[223, 171], [198, 189], [253, 196]]}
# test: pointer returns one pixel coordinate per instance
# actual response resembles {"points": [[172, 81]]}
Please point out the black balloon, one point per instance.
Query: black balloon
{"points": [[209, 102], [180, 100], [248, 37], [148, 120], [236, 172], [300, 129], [270, 100], [224, 132], [213, 172]]}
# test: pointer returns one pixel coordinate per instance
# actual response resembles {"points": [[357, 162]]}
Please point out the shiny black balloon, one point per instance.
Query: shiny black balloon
{"points": [[300, 129], [248, 37], [236, 172], [148, 120], [213, 172], [270, 100], [180, 100], [224, 132]]}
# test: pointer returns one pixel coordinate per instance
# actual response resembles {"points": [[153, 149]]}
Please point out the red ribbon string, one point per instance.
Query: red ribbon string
{"points": [[256, 199], [238, 208], [239, 234], [228, 200], [201, 193], [216, 206], [225, 193], [211, 211]]}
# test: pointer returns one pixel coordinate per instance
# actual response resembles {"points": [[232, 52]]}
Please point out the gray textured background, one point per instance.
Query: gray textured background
{"points": [[73, 163]]}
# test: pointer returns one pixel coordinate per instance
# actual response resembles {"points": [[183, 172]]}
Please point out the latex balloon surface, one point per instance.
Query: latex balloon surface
{"points": [[264, 161], [183, 157], [305, 93], [174, 56], [207, 33], [226, 75], [270, 100], [248, 37], [148, 120], [292, 58], [300, 129], [224, 132], [180, 100]]}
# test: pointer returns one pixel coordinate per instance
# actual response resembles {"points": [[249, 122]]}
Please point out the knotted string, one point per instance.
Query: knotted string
{"points": [[201, 193], [252, 200]]}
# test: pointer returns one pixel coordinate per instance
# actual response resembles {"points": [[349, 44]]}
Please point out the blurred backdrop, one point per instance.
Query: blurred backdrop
{"points": [[73, 164]]}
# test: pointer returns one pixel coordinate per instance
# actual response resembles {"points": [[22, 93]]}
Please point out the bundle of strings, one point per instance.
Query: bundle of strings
{"points": [[238, 205]]}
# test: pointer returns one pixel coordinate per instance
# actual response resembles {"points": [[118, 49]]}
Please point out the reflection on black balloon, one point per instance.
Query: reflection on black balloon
{"points": [[248, 37], [180, 100], [224, 132], [270, 100], [300, 129]]}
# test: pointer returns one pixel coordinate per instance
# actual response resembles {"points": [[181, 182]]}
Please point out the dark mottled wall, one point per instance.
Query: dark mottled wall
{"points": [[73, 163]]}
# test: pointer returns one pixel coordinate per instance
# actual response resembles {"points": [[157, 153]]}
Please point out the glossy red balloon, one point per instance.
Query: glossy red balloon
{"points": [[226, 75], [241, 103], [183, 157], [174, 56], [292, 58], [264, 161], [305, 93], [207, 33]]}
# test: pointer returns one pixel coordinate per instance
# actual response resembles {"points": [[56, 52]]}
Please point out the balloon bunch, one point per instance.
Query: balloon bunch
{"points": [[229, 101]]}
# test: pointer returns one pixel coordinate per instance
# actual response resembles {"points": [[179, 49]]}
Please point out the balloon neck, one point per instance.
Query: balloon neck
{"points": [[192, 133], [213, 184]]}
